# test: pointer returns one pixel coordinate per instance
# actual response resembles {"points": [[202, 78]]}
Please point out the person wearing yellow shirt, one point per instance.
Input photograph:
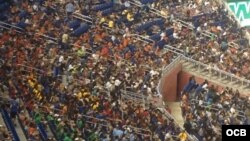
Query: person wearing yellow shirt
{"points": [[111, 24], [95, 105], [130, 17], [86, 94], [183, 136], [37, 94], [79, 95], [39, 87], [31, 83], [103, 20], [124, 12]]}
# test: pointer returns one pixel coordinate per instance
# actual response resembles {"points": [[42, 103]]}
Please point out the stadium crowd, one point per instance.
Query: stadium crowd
{"points": [[44, 80], [66, 75], [205, 109]]}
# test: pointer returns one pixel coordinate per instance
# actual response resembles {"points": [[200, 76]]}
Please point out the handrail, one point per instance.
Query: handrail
{"points": [[190, 26], [9, 124], [171, 65], [132, 93], [220, 71], [8, 28], [11, 25], [174, 48], [84, 16], [136, 129], [169, 116], [78, 17], [206, 104], [146, 39], [133, 97], [139, 4], [112, 119], [157, 12], [184, 23]]}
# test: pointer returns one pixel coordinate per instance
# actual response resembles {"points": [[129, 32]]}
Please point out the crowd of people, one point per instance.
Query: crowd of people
{"points": [[205, 109], [213, 37], [72, 86], [65, 74]]}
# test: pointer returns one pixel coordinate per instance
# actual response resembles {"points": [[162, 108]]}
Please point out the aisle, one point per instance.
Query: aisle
{"points": [[176, 112]]}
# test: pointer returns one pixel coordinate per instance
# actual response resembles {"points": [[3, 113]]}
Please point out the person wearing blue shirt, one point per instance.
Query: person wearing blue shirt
{"points": [[14, 108], [117, 133]]}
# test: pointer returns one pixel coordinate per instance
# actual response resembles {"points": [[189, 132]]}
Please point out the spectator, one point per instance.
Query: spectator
{"points": [[183, 135]]}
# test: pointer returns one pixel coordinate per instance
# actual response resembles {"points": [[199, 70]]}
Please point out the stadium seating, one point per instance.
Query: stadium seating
{"points": [[83, 28], [85, 81], [9, 124], [205, 98], [101, 7]]}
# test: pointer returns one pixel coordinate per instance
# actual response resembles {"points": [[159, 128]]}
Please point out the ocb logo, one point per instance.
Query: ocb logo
{"points": [[236, 132]]}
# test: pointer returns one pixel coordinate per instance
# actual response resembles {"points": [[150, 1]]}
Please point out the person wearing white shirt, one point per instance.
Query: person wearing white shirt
{"points": [[117, 82]]}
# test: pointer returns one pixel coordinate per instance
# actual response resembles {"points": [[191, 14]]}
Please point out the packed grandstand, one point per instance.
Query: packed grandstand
{"points": [[64, 65]]}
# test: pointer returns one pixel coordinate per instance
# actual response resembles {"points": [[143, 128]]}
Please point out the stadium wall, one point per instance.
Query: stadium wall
{"points": [[174, 82], [169, 84]]}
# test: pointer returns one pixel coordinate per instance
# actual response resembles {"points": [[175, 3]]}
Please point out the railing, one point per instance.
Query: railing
{"points": [[170, 66], [152, 10], [178, 58], [186, 24], [199, 66], [190, 26], [135, 97], [215, 107], [221, 74], [10, 25], [7, 119], [174, 49], [83, 17], [4, 26], [170, 117], [142, 38], [183, 23]]}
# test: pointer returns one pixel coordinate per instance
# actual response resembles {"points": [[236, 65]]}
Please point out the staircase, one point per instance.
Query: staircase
{"points": [[176, 112]]}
